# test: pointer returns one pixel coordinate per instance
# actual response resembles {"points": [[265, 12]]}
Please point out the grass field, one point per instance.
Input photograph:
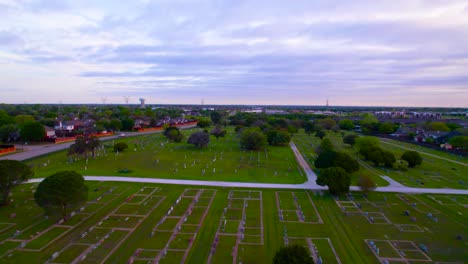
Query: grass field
{"points": [[153, 156], [434, 172], [125, 222]]}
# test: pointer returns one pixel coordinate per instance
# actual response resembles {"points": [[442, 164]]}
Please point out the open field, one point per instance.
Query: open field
{"points": [[432, 173], [153, 156], [133, 222]]}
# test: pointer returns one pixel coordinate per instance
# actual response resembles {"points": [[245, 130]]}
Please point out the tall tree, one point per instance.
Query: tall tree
{"points": [[12, 173], [346, 124], [61, 192], [293, 254], [216, 117], [412, 157], [337, 180], [253, 139]]}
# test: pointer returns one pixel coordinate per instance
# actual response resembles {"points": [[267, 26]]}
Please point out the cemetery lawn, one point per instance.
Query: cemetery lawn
{"points": [[153, 156], [92, 234], [432, 173]]}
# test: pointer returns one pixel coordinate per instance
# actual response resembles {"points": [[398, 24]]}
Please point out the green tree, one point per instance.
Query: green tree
{"points": [[6, 119], [459, 142], [6, 130], [21, 119], [293, 254], [336, 178], [61, 192], [12, 173], [336, 159], [218, 132], [388, 159], [369, 123], [278, 138], [309, 127], [204, 123], [350, 139], [327, 123], [200, 139], [453, 126], [412, 157], [387, 128], [115, 124], [325, 146], [174, 134], [320, 134], [346, 124], [366, 183], [216, 117], [438, 126], [32, 131], [253, 139], [84, 145], [127, 124], [120, 146]]}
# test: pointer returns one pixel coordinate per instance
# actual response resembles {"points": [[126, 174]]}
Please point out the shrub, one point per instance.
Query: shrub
{"points": [[121, 146], [337, 180]]}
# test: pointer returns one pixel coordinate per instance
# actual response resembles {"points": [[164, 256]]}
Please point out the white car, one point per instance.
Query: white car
{"points": [[122, 135]]}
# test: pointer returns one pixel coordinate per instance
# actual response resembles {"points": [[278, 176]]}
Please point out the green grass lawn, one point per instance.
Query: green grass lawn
{"points": [[432, 173], [153, 156], [347, 233]]}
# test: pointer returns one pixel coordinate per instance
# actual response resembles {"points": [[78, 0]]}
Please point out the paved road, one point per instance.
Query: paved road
{"points": [[306, 186], [384, 140], [38, 150], [309, 184], [311, 176]]}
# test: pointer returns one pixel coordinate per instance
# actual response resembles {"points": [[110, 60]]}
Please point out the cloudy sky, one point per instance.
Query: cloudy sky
{"points": [[359, 52]]}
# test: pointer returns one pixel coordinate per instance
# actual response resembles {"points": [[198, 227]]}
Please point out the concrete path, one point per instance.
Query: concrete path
{"points": [[308, 185], [385, 141], [303, 186], [311, 176]]}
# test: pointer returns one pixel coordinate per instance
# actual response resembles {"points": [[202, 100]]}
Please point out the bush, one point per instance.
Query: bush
{"points": [[412, 157], [293, 254], [121, 146], [401, 165]]}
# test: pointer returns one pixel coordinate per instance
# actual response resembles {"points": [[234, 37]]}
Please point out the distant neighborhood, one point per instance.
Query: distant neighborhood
{"points": [[446, 129]]}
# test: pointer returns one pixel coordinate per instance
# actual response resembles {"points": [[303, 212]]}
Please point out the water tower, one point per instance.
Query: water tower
{"points": [[142, 102]]}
